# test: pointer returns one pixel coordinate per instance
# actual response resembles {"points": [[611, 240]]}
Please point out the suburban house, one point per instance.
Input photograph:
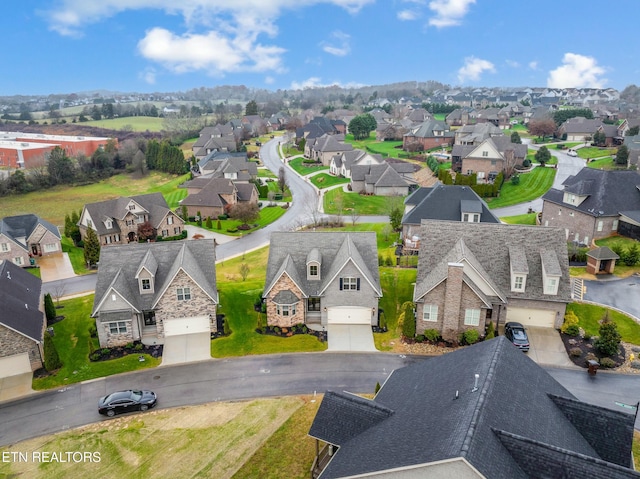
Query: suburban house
{"points": [[595, 204], [495, 116], [218, 138], [211, 197], [633, 144], [485, 411], [323, 148], [441, 202], [230, 165], [470, 135], [427, 135], [380, 180], [149, 291], [579, 129], [461, 116], [23, 237], [470, 274], [322, 278], [255, 125], [22, 322], [494, 155], [342, 163], [116, 221], [392, 130]]}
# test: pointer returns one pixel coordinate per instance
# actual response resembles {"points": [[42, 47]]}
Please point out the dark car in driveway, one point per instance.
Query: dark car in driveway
{"points": [[516, 333], [127, 401]]}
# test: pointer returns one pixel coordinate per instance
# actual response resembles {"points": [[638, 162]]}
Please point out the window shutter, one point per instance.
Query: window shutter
{"points": [[358, 284], [340, 284]]}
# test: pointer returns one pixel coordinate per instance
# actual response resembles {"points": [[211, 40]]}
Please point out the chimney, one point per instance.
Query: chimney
{"points": [[452, 300]]}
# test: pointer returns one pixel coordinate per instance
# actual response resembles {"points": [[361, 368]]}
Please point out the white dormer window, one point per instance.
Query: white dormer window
{"points": [[518, 283], [551, 286], [146, 284], [313, 270], [132, 207], [108, 224]]}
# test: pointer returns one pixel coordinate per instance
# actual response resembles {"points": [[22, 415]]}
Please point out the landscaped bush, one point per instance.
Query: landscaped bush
{"points": [[51, 358], [607, 363], [573, 330], [471, 336], [526, 163], [223, 217], [515, 180], [570, 319], [608, 342], [491, 333], [575, 352], [432, 335], [420, 338]]}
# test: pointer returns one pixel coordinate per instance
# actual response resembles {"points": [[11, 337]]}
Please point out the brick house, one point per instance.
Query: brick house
{"points": [[427, 135], [22, 321], [145, 292], [323, 148], [595, 204], [322, 278], [116, 221], [216, 196], [488, 158], [473, 273], [24, 237]]}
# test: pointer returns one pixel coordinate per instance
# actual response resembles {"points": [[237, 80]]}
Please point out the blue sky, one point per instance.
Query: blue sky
{"points": [[67, 46]]}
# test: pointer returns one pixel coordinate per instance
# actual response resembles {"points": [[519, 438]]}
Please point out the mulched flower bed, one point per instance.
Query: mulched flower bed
{"points": [[105, 354], [288, 332], [588, 351]]}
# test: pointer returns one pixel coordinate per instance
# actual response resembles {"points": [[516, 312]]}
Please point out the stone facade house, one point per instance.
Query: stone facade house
{"points": [[219, 138], [494, 155], [216, 196], [22, 321], [485, 411], [25, 237], [116, 221], [470, 274], [427, 135], [379, 180], [148, 291], [342, 163], [595, 204], [322, 278], [323, 148], [232, 166], [443, 203]]}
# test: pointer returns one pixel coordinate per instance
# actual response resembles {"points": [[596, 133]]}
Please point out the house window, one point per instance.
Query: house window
{"points": [[614, 225], [494, 162], [430, 312], [352, 284], [109, 225], [313, 270], [465, 217], [518, 283], [5, 247], [551, 286], [469, 172], [169, 220], [600, 225], [118, 238], [146, 284], [485, 153], [472, 317], [313, 304], [118, 327], [572, 199], [286, 309], [132, 207], [165, 232], [149, 318], [476, 218], [107, 240], [176, 230], [184, 294], [18, 260]]}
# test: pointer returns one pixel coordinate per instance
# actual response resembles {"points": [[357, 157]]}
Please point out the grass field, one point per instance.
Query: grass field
{"points": [[268, 215], [302, 168], [590, 315], [605, 163], [526, 219], [364, 205], [53, 204], [133, 123], [595, 152], [532, 185], [72, 341], [324, 180]]}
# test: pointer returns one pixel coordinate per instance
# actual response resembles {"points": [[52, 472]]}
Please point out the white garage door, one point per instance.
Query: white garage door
{"points": [[178, 326], [15, 376], [532, 317], [349, 315]]}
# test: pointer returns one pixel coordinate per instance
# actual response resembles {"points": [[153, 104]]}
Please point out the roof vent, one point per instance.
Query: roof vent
{"points": [[8, 274], [26, 306]]}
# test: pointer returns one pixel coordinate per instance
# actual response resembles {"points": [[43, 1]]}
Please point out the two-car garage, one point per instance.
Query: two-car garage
{"points": [[349, 329], [543, 318], [186, 340]]}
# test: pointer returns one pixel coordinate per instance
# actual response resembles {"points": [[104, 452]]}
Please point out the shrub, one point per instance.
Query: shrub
{"points": [[572, 330], [432, 335], [575, 352], [51, 358], [93, 331], [380, 260], [491, 333], [305, 330], [609, 341], [276, 330], [570, 319], [105, 351], [95, 356], [471, 336], [388, 261], [591, 357], [49, 309], [128, 346], [420, 338], [515, 180], [526, 163], [138, 347], [223, 217], [587, 336], [225, 327], [409, 323], [607, 363]]}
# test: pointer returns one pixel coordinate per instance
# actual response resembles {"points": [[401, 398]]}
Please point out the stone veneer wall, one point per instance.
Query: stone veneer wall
{"points": [[169, 307], [12, 343], [109, 340], [273, 318]]}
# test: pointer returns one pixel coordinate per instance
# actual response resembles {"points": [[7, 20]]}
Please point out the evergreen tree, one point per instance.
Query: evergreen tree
{"points": [[515, 137], [75, 234], [608, 342], [543, 155], [151, 156], [251, 108], [91, 248], [409, 322], [622, 156], [49, 309], [51, 357]]}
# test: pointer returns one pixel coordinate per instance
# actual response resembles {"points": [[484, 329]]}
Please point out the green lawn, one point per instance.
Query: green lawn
{"points": [[54, 203], [384, 148], [72, 341], [237, 298], [133, 123], [76, 256], [397, 287], [605, 163], [532, 185], [385, 236], [364, 205], [595, 152], [303, 169], [324, 180], [590, 315], [526, 219], [265, 173], [268, 215]]}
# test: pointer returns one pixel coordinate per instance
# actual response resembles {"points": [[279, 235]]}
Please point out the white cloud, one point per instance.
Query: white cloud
{"points": [[220, 35], [148, 75], [448, 12], [316, 82], [474, 68], [339, 45], [512, 63], [407, 15], [577, 71], [533, 65], [269, 80]]}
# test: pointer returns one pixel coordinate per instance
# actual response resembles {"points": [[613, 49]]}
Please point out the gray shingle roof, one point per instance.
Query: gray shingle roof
{"points": [[119, 265], [609, 192], [21, 226], [288, 254], [433, 414], [603, 252], [20, 300], [444, 202], [489, 244]]}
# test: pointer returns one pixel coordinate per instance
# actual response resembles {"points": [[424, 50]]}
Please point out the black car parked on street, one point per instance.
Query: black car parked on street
{"points": [[127, 401]]}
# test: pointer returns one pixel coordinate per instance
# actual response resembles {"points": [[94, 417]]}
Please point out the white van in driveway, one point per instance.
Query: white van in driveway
{"points": [[572, 152]]}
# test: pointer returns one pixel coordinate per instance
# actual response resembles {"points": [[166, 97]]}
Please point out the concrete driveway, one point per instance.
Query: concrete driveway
{"points": [[546, 348], [55, 266], [186, 348], [350, 337]]}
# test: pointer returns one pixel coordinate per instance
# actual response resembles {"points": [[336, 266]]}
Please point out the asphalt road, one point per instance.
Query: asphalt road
{"points": [[623, 294], [255, 377]]}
